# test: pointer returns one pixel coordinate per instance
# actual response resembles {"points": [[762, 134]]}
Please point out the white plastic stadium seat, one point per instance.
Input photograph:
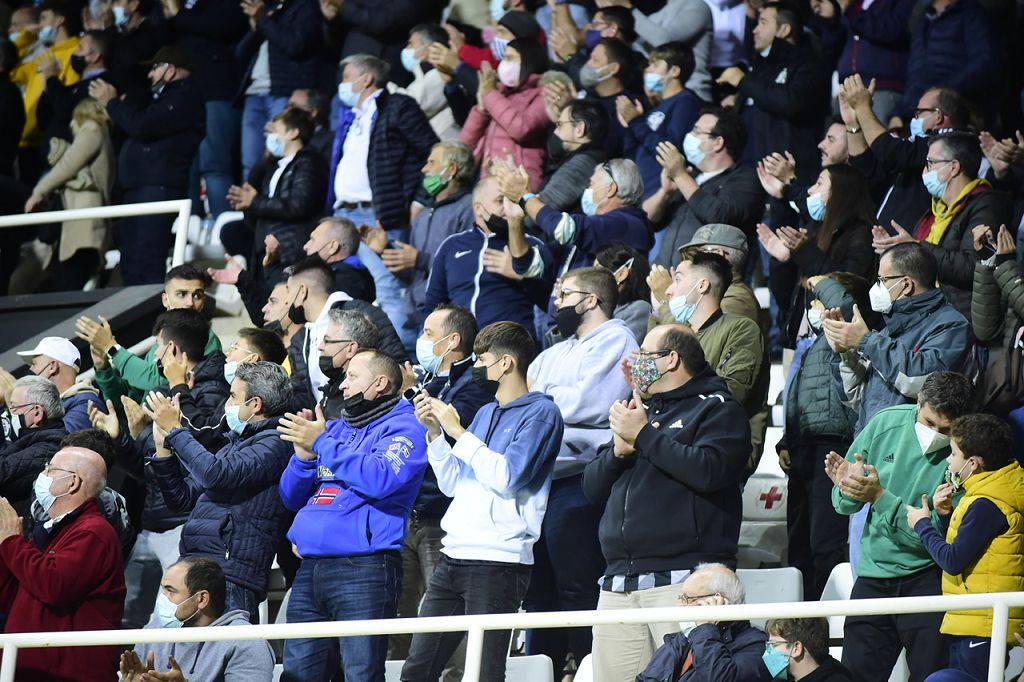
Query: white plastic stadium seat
{"points": [[585, 673], [529, 669], [771, 586], [393, 671], [838, 588], [763, 531]]}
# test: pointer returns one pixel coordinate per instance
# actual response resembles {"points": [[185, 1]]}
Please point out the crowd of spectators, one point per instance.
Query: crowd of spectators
{"points": [[505, 350]]}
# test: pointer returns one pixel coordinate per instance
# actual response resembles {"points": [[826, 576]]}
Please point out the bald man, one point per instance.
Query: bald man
{"points": [[69, 575]]}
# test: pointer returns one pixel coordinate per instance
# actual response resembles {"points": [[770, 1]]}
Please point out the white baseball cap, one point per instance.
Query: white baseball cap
{"points": [[56, 347]]}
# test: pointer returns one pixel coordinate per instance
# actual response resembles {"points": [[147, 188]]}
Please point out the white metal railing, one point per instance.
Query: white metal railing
{"points": [[475, 626], [183, 207]]}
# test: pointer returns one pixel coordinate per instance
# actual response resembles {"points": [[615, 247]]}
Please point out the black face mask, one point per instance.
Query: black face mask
{"points": [[275, 327], [326, 364], [497, 225], [297, 314], [79, 64], [480, 377], [568, 321], [357, 405]]}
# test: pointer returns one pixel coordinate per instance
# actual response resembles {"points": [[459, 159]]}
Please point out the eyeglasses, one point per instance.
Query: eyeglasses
{"points": [[607, 168], [49, 468], [882, 279], [697, 131], [690, 601], [928, 163], [12, 408], [652, 353], [918, 112], [331, 342], [769, 645], [568, 292], [235, 347]]}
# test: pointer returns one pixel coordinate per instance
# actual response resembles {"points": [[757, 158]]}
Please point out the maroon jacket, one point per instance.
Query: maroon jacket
{"points": [[75, 584]]}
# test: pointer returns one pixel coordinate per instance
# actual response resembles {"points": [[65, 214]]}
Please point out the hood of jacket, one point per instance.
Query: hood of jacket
{"points": [[79, 387], [909, 312]]}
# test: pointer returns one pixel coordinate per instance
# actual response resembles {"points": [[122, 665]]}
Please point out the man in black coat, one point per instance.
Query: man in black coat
{"points": [[787, 89], [293, 184], [89, 61], [33, 427], [682, 444], [156, 158]]}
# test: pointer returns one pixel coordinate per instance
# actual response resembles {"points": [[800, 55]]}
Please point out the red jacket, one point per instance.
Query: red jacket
{"points": [[77, 583]]}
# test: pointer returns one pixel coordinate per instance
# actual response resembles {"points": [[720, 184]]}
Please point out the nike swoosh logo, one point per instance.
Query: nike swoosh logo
{"points": [[460, 254], [971, 645]]}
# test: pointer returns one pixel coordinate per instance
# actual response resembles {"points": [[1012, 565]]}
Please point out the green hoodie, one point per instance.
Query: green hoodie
{"points": [[889, 547], [130, 375]]}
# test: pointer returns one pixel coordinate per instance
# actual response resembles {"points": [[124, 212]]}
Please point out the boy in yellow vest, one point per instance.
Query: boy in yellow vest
{"points": [[984, 546]]}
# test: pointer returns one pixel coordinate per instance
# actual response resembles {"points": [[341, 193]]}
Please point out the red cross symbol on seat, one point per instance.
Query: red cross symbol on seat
{"points": [[771, 497]]}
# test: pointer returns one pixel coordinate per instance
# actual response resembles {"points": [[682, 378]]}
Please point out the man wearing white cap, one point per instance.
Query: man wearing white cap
{"points": [[56, 358]]}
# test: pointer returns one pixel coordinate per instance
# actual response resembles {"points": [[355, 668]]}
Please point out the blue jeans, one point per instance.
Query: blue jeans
{"points": [[218, 153], [342, 588], [145, 240], [459, 588], [238, 597], [259, 110], [567, 565]]}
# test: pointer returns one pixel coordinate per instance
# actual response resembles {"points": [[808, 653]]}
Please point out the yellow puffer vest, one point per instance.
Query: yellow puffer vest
{"points": [[1001, 567]]}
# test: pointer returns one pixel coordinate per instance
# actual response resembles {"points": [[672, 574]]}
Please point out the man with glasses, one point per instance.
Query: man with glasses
{"points": [[800, 647], [33, 427], [70, 575], [348, 332], [669, 482], [704, 183], [961, 201], [156, 158], [582, 375], [709, 650]]}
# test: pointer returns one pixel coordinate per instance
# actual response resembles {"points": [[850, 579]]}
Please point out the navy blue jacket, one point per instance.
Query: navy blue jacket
{"points": [[162, 138], [957, 49], [399, 146], [292, 31], [467, 397], [459, 276], [669, 121], [872, 42], [628, 224], [237, 513], [354, 498], [76, 409], [731, 653]]}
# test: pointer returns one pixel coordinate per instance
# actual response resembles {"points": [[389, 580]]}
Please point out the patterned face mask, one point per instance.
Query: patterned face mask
{"points": [[645, 370]]}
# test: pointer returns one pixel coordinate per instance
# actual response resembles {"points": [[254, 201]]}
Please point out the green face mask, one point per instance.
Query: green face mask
{"points": [[434, 184]]}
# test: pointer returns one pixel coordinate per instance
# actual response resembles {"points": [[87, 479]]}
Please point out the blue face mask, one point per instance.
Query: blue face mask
{"points": [[916, 128], [587, 202], [592, 38], [274, 145], [409, 60], [347, 95], [654, 82], [681, 310], [229, 371], [497, 10], [13, 36], [235, 423], [498, 46], [815, 206], [935, 187], [41, 487], [120, 17], [776, 662], [425, 354], [48, 34], [691, 148]]}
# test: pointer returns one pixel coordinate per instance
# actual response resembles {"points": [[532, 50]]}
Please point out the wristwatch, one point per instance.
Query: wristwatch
{"points": [[853, 131], [112, 351], [523, 199]]}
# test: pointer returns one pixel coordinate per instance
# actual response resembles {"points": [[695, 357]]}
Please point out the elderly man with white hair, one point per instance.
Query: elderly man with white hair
{"points": [[69, 576], [710, 650], [33, 426]]}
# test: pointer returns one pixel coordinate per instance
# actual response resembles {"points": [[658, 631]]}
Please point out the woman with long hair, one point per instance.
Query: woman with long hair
{"points": [[630, 269], [82, 173]]}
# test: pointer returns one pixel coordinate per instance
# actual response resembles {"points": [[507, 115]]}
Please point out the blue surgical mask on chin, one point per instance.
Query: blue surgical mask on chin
{"points": [[13, 36], [48, 34], [815, 207], [777, 663], [916, 128], [937, 188], [680, 309]]}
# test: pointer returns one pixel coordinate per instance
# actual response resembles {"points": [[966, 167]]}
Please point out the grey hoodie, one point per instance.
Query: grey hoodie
{"points": [[241, 661]]}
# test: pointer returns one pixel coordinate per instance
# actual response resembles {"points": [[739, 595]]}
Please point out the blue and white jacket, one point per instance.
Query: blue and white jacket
{"points": [[355, 496], [499, 474], [458, 276]]}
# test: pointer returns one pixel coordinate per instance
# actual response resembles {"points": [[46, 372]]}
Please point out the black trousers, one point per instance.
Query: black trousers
{"points": [[817, 532], [872, 644]]}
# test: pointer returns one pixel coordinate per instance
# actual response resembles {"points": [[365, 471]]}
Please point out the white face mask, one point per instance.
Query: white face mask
{"points": [[166, 611], [879, 297], [929, 439], [814, 318]]}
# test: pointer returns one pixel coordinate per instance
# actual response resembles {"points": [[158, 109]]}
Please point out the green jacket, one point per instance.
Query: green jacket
{"points": [[127, 374], [890, 548], [734, 348], [997, 298]]}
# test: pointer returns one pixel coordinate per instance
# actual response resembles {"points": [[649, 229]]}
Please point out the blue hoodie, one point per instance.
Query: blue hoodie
{"points": [[499, 474], [355, 496]]}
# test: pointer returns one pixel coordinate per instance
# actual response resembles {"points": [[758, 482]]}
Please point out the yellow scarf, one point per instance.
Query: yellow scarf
{"points": [[943, 215]]}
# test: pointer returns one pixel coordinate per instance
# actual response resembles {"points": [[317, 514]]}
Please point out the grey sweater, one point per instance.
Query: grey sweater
{"points": [[239, 661]]}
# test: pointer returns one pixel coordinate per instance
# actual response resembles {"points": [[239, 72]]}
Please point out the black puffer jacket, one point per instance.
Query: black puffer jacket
{"points": [[236, 512], [732, 652], [291, 29], [23, 459], [675, 502]]}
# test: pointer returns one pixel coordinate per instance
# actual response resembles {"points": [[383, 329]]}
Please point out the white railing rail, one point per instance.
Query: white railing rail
{"points": [[999, 603], [183, 207]]}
